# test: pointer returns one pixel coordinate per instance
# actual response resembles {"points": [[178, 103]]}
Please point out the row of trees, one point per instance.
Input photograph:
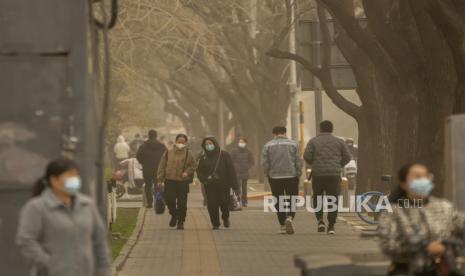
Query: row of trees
{"points": [[408, 60], [193, 53], [408, 64]]}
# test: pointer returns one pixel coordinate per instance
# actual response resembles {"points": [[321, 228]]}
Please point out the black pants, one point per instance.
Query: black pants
{"points": [[217, 198], [243, 183], [281, 187], [325, 185], [176, 198], [149, 178]]}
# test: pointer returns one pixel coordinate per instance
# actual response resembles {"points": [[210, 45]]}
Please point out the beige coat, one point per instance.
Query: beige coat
{"points": [[174, 163]]}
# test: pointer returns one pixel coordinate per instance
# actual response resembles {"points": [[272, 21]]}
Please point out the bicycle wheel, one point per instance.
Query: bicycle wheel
{"points": [[368, 212]]}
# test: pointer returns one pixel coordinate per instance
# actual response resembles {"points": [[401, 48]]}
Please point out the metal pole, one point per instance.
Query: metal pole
{"points": [[317, 61], [221, 136], [301, 118], [293, 77]]}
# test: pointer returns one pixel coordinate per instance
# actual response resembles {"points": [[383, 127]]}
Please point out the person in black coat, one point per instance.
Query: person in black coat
{"points": [[149, 155], [216, 171], [243, 160]]}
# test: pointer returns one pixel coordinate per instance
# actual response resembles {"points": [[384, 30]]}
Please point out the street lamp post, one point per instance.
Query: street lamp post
{"points": [[294, 89]]}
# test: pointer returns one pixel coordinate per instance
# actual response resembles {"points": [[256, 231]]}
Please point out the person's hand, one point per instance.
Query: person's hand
{"points": [[436, 248], [184, 175]]}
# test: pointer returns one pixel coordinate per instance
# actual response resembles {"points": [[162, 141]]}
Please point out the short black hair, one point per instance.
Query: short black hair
{"points": [[181, 135], [153, 134], [279, 130], [326, 126]]}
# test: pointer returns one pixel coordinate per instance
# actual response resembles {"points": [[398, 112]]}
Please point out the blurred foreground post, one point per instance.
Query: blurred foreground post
{"points": [[454, 188], [49, 75]]}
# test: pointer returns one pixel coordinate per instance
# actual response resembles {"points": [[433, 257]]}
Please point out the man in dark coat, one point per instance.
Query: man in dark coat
{"points": [[149, 155], [216, 171], [327, 155]]}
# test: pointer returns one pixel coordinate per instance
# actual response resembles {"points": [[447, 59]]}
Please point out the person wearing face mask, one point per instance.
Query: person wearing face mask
{"points": [[60, 230], [243, 160], [216, 171], [413, 234], [175, 173]]}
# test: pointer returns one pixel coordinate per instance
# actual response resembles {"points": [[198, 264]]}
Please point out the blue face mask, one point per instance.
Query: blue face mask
{"points": [[73, 185], [421, 186], [210, 147]]}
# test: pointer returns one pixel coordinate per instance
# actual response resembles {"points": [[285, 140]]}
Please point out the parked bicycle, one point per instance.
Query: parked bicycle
{"points": [[370, 212]]}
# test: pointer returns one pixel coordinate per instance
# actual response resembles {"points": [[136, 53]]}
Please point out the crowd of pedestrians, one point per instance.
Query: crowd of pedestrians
{"points": [[417, 235]]}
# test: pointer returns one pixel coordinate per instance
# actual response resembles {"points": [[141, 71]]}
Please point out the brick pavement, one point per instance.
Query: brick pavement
{"points": [[250, 247]]}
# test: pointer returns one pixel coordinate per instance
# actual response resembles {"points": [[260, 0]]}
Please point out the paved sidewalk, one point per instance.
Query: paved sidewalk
{"points": [[250, 247]]}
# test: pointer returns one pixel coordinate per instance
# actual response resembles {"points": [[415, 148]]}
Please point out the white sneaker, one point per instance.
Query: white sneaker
{"points": [[331, 230], [282, 229], [289, 226]]}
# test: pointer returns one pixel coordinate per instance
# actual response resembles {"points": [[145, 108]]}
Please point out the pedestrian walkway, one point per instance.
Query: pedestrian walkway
{"points": [[252, 246]]}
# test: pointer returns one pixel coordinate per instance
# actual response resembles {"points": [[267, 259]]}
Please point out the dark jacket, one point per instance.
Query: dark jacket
{"points": [[327, 155], [243, 161], [149, 155], [225, 171]]}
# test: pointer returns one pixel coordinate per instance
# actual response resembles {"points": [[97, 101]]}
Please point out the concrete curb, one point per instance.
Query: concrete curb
{"points": [[127, 248], [259, 196]]}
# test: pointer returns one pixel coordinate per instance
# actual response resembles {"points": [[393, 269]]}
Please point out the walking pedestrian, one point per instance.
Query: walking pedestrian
{"points": [[135, 144], [121, 151], [149, 156], [60, 230], [281, 162], [352, 148], [216, 171], [327, 155], [415, 234], [243, 160], [175, 173]]}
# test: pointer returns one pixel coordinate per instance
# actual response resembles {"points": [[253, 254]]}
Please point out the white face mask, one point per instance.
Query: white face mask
{"points": [[73, 185], [180, 146], [242, 145]]}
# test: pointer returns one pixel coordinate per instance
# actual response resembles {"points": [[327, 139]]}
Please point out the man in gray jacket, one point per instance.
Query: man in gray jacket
{"points": [[282, 165], [327, 155]]}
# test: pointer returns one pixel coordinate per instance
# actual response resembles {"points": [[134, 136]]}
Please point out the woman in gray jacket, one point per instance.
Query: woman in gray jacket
{"points": [[60, 231]]}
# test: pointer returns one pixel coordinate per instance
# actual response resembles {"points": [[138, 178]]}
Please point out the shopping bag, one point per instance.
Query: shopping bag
{"points": [[159, 203]]}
